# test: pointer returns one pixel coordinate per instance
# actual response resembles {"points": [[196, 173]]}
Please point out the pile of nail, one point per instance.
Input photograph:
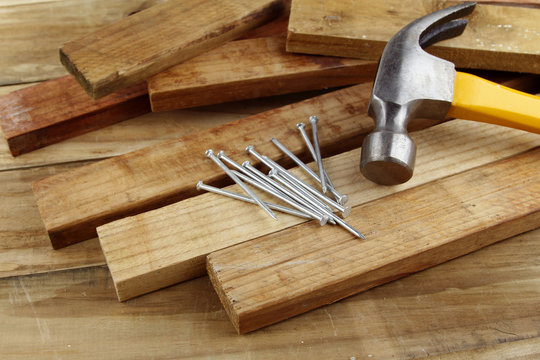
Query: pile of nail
{"points": [[306, 201]]}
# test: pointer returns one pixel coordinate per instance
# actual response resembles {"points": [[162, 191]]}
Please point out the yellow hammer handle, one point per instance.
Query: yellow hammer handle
{"points": [[482, 100]]}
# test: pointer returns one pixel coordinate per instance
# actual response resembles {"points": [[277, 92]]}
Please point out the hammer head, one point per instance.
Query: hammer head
{"points": [[410, 83]]}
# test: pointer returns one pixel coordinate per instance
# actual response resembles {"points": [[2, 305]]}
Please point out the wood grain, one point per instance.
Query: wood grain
{"points": [[142, 45], [74, 203], [32, 31], [25, 246], [165, 246], [468, 304], [55, 110], [293, 271], [497, 37], [143, 131], [248, 69]]}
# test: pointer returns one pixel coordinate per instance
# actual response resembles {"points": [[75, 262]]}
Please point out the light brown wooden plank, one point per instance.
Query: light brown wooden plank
{"points": [[497, 37], [32, 31], [73, 204], [474, 302], [24, 242], [55, 110], [293, 271], [248, 69], [158, 248], [142, 45]]}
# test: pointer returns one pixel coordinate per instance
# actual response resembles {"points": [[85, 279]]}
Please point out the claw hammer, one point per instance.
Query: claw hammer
{"points": [[410, 83]]}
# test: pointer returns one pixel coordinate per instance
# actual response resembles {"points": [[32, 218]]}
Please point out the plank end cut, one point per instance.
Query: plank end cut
{"points": [[58, 109], [496, 37], [139, 46], [289, 272]]}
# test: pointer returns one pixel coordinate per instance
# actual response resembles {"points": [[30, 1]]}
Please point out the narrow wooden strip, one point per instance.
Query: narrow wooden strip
{"points": [[74, 203], [55, 110], [248, 69], [497, 38], [158, 248], [32, 32], [24, 242], [293, 271], [133, 49]]}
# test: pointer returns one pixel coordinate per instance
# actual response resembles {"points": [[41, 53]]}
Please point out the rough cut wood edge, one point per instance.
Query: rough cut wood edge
{"points": [[142, 45], [290, 272], [496, 38], [251, 68], [58, 109], [165, 246]]}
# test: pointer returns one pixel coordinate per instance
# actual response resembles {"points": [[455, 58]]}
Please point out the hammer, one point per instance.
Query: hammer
{"points": [[411, 83]]}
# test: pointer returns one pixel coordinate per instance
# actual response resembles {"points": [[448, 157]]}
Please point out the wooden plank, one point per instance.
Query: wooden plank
{"points": [[24, 242], [143, 131], [74, 203], [293, 271], [142, 45], [41, 27], [497, 38], [468, 303], [55, 110], [248, 69], [158, 248]]}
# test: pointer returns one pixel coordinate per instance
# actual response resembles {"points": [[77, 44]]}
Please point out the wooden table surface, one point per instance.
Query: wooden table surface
{"points": [[62, 304]]}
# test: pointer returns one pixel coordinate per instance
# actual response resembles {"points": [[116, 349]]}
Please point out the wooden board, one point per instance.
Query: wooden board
{"points": [[248, 69], [142, 45], [24, 242], [34, 30], [165, 246], [55, 110], [497, 38], [468, 305], [74, 203], [293, 271]]}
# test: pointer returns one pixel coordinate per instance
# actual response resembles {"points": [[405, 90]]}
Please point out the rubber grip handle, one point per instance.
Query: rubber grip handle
{"points": [[482, 100]]}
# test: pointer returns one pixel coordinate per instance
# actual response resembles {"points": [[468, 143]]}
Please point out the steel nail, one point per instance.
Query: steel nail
{"points": [[236, 196], [313, 120], [210, 154], [323, 219]]}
